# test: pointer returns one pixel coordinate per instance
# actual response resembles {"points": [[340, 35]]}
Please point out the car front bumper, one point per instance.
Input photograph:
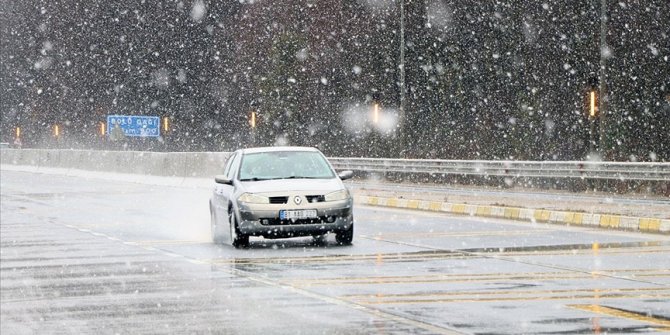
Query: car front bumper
{"points": [[263, 220]]}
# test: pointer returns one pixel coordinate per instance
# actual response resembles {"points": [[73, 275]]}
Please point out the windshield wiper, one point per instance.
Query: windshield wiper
{"points": [[263, 179], [253, 179], [278, 178]]}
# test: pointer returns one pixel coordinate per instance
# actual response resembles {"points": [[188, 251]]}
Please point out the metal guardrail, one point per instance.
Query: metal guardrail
{"points": [[206, 164], [513, 169]]}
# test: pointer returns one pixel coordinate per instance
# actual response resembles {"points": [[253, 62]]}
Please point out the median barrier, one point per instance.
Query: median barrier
{"points": [[569, 218]]}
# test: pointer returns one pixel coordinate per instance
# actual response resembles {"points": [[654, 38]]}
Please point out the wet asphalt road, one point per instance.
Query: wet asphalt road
{"points": [[93, 256]]}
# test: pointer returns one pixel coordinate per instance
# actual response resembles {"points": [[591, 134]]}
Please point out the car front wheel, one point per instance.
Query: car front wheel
{"points": [[345, 237], [238, 240]]}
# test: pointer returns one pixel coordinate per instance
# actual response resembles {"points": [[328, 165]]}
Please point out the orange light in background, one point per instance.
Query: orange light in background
{"points": [[375, 115], [102, 128], [592, 109], [253, 120], [166, 124], [18, 132], [56, 130]]}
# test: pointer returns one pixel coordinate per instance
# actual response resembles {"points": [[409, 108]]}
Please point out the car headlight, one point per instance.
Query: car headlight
{"points": [[337, 195], [251, 198]]}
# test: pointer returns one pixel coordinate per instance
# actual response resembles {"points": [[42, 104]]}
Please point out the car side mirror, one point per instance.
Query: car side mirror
{"points": [[344, 175], [221, 179]]}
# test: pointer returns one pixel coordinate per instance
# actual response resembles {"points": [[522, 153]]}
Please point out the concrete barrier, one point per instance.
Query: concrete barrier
{"points": [[167, 164], [606, 221]]}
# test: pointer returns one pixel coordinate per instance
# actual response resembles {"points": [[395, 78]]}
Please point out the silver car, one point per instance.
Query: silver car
{"points": [[280, 192]]}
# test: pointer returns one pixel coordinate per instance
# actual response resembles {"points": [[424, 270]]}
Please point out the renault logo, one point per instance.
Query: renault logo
{"points": [[297, 199]]}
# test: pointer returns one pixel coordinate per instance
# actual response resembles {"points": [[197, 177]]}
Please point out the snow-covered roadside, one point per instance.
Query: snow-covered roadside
{"points": [[125, 177]]}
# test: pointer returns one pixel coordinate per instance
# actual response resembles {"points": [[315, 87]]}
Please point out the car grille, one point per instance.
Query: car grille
{"points": [[310, 199], [278, 222], [315, 198], [278, 200]]}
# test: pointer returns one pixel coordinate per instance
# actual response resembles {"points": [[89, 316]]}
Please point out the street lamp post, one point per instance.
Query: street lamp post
{"points": [[602, 108], [401, 118]]}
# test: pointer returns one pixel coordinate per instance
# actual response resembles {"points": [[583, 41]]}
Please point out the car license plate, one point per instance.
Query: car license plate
{"points": [[297, 214]]}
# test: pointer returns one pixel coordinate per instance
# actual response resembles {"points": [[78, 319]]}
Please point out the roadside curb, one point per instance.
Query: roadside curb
{"points": [[643, 224]]}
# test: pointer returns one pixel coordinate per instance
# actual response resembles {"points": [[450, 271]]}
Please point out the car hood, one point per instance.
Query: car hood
{"points": [[289, 185]]}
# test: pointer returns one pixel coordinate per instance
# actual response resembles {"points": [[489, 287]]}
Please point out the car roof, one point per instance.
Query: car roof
{"points": [[276, 149]]}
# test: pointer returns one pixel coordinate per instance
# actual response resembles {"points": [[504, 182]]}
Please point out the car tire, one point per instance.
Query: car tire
{"points": [[345, 237], [238, 240], [217, 236]]}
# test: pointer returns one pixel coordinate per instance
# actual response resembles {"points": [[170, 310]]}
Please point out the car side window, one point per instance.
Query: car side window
{"points": [[226, 171], [235, 162]]}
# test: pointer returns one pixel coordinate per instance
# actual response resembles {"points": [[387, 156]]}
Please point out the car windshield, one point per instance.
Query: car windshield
{"points": [[284, 165]]}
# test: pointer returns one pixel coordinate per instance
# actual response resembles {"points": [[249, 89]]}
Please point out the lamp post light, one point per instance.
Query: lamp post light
{"points": [[252, 123], [56, 135], [166, 124], [17, 140], [252, 120], [593, 113]]}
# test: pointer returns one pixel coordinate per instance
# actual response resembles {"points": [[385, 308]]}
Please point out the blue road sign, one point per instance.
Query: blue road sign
{"points": [[136, 126]]}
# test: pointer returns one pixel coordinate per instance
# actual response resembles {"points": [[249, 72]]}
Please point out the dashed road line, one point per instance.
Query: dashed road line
{"points": [[464, 234], [621, 313], [510, 295], [383, 257], [166, 242], [462, 278]]}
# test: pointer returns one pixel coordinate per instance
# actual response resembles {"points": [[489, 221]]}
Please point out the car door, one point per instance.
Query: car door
{"points": [[227, 191], [222, 192]]}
